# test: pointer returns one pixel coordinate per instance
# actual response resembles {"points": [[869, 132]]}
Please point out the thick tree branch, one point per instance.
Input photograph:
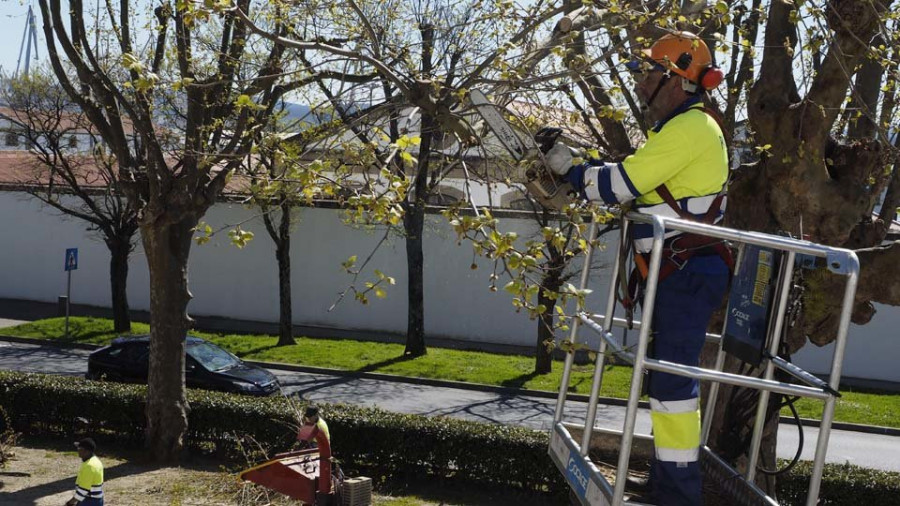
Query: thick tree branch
{"points": [[738, 80], [370, 32], [615, 135], [141, 114], [776, 80], [877, 266], [854, 23], [110, 11], [162, 13], [865, 97], [891, 71], [235, 47], [597, 136], [125, 23], [891, 201]]}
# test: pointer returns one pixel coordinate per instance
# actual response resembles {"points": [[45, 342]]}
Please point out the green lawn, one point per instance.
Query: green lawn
{"points": [[387, 358], [440, 363]]}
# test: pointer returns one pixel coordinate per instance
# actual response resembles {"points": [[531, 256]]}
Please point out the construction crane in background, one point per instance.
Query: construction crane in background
{"points": [[29, 38]]}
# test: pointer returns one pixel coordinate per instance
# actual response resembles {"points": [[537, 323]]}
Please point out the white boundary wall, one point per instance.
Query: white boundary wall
{"points": [[243, 283]]}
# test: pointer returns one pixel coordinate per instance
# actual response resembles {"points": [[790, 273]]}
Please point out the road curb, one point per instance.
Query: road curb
{"points": [[806, 422]]}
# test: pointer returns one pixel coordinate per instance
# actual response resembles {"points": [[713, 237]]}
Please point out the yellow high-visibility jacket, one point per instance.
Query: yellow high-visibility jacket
{"points": [[89, 482], [686, 152]]}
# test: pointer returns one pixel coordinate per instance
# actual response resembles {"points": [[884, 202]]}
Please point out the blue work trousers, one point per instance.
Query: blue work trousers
{"points": [[685, 302]]}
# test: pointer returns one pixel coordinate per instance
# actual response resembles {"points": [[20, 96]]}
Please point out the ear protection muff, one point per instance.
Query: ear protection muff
{"points": [[711, 77]]}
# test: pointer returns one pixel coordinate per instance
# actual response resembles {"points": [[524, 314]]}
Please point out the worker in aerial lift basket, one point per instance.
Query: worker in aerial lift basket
{"points": [[680, 171]]}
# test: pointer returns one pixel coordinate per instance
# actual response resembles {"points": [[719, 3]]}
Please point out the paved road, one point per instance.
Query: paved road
{"points": [[868, 450]]}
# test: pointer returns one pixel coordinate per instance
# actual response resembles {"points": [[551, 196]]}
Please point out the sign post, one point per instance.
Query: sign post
{"points": [[71, 265]]}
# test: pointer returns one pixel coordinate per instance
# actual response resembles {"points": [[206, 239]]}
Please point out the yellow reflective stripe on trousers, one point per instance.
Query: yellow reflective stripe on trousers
{"points": [[676, 429]]}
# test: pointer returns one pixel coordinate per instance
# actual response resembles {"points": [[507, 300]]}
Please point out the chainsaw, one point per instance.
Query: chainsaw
{"points": [[542, 184]]}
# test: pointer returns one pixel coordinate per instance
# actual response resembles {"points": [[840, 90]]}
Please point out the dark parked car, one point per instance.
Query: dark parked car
{"points": [[207, 366]]}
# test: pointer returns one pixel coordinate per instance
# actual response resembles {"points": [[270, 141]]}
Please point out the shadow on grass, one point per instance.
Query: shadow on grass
{"points": [[88, 337], [582, 384], [250, 351], [384, 363], [519, 381], [77, 334]]}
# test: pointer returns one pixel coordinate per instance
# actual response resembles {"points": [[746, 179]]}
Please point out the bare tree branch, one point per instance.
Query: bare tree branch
{"points": [[383, 70]]}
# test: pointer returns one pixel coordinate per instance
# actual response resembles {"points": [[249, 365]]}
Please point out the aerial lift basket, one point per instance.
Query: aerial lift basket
{"points": [[768, 262]]}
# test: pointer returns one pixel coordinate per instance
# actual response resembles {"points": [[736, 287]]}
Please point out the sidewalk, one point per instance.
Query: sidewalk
{"points": [[11, 323]]}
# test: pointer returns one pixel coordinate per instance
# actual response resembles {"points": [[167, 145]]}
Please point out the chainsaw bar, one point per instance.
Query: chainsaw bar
{"points": [[508, 137], [543, 185]]}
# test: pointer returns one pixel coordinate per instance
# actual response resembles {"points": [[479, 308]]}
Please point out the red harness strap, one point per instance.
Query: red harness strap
{"points": [[682, 248], [678, 252]]}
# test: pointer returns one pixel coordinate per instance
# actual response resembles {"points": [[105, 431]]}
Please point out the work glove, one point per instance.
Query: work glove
{"points": [[560, 159]]}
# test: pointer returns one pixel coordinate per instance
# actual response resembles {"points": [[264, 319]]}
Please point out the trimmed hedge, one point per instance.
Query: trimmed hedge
{"points": [[389, 443], [382, 442], [842, 484]]}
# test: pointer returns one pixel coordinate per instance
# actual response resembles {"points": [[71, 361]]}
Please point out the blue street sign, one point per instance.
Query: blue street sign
{"points": [[71, 259]]}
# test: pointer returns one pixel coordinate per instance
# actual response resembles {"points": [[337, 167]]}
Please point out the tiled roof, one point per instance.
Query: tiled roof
{"points": [[23, 168], [68, 121]]}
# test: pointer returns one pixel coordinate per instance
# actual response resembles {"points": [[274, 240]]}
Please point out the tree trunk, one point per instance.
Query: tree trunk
{"points": [[551, 282], [542, 357], [167, 248], [119, 251], [413, 224], [283, 254], [806, 183]]}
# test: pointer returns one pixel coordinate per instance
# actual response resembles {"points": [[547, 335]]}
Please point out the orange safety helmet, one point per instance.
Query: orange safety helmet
{"points": [[688, 56]]}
